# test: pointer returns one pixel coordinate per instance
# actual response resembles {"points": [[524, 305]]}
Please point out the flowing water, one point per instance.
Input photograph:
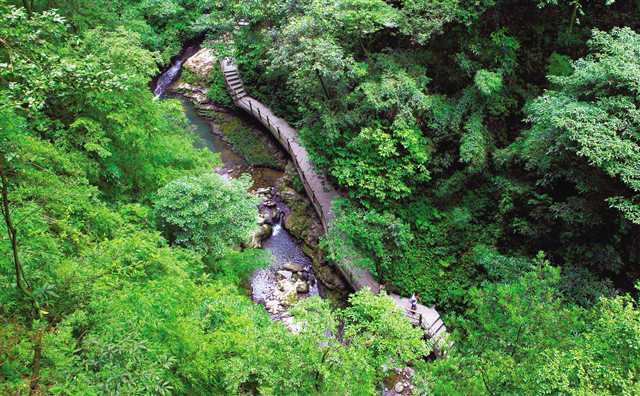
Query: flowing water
{"points": [[206, 138], [266, 283], [162, 83]]}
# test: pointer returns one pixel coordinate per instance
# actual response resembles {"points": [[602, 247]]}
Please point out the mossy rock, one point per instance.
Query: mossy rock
{"points": [[250, 143], [191, 78]]}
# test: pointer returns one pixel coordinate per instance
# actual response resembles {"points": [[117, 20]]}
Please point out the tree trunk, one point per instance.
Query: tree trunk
{"points": [[28, 5], [20, 280], [11, 230], [324, 88], [35, 366], [574, 15]]}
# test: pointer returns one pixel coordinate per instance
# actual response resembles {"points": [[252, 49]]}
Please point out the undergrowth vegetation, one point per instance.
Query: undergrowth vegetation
{"points": [[488, 153], [120, 271]]}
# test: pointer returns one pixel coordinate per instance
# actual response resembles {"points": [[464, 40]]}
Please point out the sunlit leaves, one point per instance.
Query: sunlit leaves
{"points": [[376, 324], [488, 83], [473, 145], [207, 213], [593, 113]]}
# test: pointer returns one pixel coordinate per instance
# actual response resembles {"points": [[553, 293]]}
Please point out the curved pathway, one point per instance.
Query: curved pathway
{"points": [[322, 194]]}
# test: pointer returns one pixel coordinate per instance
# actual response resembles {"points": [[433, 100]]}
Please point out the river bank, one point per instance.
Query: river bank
{"points": [[288, 226]]}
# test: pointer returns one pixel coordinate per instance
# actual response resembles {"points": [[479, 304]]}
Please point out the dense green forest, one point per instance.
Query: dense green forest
{"points": [[488, 152]]}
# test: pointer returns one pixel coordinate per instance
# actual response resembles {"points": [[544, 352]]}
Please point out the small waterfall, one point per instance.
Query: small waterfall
{"points": [[170, 75]]}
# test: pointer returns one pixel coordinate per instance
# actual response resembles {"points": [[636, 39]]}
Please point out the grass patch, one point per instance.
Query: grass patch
{"points": [[190, 77]]}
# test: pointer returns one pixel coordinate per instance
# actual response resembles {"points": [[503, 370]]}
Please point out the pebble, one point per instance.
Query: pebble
{"points": [[273, 306]]}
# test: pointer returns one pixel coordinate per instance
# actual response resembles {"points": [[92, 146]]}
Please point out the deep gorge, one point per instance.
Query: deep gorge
{"points": [[477, 160]]}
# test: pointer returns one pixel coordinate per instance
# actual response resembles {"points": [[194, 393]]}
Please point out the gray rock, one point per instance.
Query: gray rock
{"points": [[263, 233], [399, 388], [284, 274], [273, 306], [263, 191], [289, 297], [201, 63], [330, 278], [293, 267], [302, 287], [291, 324]]}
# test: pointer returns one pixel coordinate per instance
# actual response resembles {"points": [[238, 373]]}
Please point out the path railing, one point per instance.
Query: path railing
{"points": [[285, 141], [322, 194]]}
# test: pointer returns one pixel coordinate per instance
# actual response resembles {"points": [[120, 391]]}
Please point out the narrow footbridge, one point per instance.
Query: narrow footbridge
{"points": [[322, 194]]}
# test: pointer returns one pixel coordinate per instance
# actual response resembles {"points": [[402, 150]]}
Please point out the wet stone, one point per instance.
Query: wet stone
{"points": [[293, 267], [284, 274], [302, 287]]}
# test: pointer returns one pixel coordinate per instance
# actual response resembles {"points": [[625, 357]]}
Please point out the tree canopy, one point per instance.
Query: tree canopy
{"points": [[488, 156]]}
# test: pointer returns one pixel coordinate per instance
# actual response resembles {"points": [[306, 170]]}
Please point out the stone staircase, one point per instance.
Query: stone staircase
{"points": [[234, 84]]}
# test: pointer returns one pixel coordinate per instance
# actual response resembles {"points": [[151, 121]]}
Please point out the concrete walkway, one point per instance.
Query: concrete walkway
{"points": [[322, 194]]}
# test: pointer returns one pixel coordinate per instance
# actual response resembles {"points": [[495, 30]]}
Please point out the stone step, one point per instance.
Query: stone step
{"points": [[434, 327], [235, 84], [439, 330]]}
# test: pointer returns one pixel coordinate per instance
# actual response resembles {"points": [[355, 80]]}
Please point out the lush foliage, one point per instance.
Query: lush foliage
{"points": [[468, 137], [119, 267], [206, 212]]}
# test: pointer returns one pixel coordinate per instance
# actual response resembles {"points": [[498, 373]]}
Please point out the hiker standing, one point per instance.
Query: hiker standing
{"points": [[414, 302]]}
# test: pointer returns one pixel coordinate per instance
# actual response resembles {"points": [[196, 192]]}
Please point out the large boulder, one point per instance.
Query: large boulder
{"points": [[201, 63], [198, 95], [289, 293]]}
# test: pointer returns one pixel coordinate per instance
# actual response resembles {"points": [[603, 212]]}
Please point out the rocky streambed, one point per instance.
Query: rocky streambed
{"points": [[291, 276], [288, 225]]}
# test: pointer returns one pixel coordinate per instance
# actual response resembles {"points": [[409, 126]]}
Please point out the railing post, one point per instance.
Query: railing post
{"points": [[250, 107], [259, 115], [268, 122]]}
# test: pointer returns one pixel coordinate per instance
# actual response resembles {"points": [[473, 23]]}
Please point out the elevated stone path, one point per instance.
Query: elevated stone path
{"points": [[322, 194]]}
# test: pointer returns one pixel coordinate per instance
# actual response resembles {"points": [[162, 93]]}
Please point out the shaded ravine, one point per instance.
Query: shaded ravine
{"points": [[291, 271], [323, 194]]}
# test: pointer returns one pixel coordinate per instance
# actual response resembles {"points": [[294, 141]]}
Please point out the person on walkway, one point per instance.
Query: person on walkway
{"points": [[414, 302]]}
